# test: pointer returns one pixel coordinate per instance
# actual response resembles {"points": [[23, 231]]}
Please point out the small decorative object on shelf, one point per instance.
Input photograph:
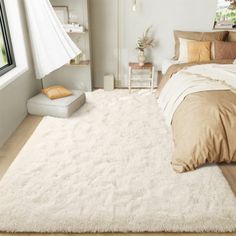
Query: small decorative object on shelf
{"points": [[80, 63], [143, 43], [78, 59], [141, 58]]}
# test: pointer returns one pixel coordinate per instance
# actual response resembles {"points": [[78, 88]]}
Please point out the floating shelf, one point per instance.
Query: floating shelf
{"points": [[82, 63], [72, 32]]}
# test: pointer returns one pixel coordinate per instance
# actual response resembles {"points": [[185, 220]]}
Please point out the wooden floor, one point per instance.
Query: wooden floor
{"points": [[12, 147], [128, 234]]}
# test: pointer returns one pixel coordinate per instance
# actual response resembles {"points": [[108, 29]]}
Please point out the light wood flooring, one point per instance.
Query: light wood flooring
{"points": [[12, 147]]}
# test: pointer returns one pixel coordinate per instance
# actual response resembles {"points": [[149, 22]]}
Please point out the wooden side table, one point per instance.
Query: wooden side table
{"points": [[147, 67]]}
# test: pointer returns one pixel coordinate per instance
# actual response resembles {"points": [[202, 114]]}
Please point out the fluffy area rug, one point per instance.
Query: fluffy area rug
{"points": [[107, 169]]}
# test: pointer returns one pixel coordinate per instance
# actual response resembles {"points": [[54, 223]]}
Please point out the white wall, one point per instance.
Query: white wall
{"points": [[14, 96], [165, 16], [104, 18]]}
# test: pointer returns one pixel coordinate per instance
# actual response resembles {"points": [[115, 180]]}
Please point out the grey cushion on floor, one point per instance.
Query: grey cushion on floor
{"points": [[41, 105]]}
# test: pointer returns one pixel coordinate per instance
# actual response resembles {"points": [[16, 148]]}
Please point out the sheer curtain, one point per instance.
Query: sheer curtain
{"points": [[51, 46]]}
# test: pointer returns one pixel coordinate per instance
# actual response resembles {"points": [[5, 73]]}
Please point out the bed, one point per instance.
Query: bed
{"points": [[199, 102], [197, 96]]}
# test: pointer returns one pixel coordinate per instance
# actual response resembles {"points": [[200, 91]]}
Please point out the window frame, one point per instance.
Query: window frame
{"points": [[7, 40]]}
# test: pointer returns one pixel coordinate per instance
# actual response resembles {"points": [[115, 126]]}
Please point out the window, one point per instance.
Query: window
{"points": [[7, 61]]}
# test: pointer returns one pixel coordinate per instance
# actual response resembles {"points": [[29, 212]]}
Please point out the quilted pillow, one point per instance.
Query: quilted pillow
{"points": [[199, 51], [56, 92]]}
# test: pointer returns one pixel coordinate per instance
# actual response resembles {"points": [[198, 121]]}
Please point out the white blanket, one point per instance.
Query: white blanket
{"points": [[195, 79]]}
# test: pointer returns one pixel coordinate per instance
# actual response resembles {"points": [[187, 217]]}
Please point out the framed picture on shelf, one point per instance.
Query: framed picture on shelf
{"points": [[62, 13], [225, 14]]}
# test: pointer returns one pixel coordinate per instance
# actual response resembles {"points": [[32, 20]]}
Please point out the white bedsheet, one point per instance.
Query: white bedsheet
{"points": [[195, 79]]}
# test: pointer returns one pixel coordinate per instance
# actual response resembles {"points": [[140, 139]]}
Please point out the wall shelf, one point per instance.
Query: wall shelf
{"points": [[82, 63], [72, 32], [76, 75]]}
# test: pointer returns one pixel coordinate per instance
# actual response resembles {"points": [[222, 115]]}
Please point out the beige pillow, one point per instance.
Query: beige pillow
{"points": [[199, 51], [225, 50], [55, 92], [198, 36], [183, 50], [232, 36]]}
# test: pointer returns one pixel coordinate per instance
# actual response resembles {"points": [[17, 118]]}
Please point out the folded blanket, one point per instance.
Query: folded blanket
{"points": [[178, 67], [194, 79]]}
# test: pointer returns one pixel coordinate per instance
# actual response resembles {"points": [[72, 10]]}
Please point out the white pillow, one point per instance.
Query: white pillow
{"points": [[213, 55], [183, 50]]}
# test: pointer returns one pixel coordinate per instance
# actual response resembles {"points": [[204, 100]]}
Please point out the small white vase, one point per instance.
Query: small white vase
{"points": [[141, 58]]}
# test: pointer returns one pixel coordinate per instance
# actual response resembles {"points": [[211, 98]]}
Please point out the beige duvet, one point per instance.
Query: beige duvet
{"points": [[204, 127]]}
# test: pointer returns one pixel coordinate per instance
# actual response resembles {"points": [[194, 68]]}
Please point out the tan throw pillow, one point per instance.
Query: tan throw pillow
{"points": [[183, 50], [55, 92], [232, 36], [225, 50], [198, 36], [199, 51]]}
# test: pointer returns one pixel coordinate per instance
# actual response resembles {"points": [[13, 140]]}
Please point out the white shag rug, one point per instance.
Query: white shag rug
{"points": [[107, 169]]}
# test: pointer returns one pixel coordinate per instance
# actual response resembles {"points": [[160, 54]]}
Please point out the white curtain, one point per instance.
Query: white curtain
{"points": [[51, 46]]}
